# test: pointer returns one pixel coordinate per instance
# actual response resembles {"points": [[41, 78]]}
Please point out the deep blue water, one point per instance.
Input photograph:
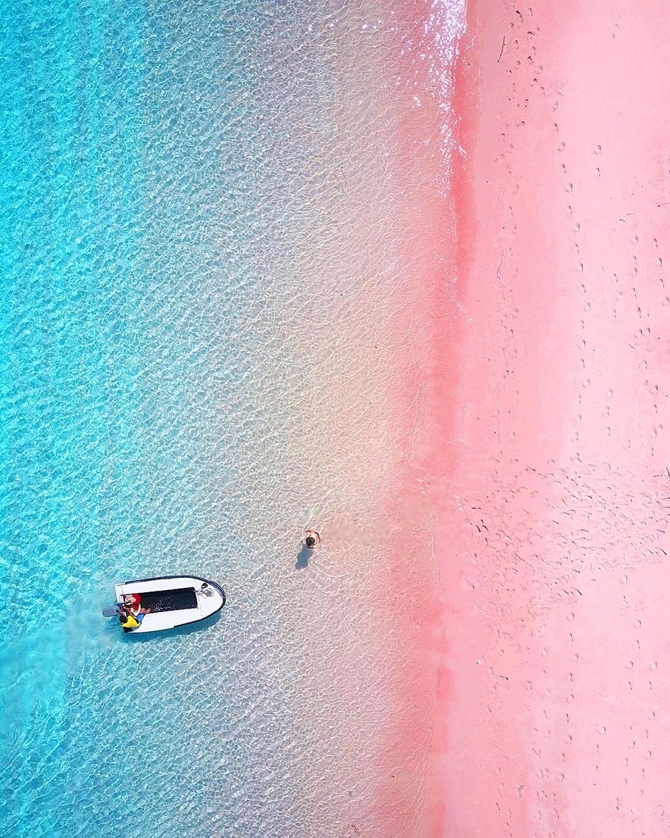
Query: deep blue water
{"points": [[115, 300]]}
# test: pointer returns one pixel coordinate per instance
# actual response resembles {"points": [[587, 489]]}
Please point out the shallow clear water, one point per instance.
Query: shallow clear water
{"points": [[201, 272]]}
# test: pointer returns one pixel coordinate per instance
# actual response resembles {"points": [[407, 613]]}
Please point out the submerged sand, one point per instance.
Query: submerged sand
{"points": [[551, 542]]}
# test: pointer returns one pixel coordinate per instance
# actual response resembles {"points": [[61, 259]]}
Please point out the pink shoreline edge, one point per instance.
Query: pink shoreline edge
{"points": [[552, 679]]}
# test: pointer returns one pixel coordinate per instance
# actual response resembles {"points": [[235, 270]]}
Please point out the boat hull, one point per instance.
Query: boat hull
{"points": [[172, 601]]}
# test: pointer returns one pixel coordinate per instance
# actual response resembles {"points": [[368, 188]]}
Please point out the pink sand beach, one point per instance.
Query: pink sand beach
{"points": [[551, 475]]}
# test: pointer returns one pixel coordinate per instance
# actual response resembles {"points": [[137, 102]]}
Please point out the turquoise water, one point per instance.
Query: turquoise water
{"points": [[198, 277]]}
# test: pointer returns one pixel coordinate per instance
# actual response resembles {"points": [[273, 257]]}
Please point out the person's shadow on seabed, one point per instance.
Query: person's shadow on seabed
{"points": [[303, 557]]}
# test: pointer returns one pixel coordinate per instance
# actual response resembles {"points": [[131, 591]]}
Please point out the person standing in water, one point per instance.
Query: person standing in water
{"points": [[307, 547]]}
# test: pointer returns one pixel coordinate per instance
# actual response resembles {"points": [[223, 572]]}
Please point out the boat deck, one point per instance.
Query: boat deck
{"points": [[174, 600]]}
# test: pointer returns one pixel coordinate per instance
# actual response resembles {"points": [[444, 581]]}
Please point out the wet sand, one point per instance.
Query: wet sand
{"points": [[551, 545]]}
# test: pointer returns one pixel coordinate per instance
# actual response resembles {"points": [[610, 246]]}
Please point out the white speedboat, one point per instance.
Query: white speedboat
{"points": [[166, 602]]}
